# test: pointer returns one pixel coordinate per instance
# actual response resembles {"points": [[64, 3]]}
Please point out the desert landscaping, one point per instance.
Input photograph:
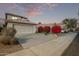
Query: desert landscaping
{"points": [[8, 42]]}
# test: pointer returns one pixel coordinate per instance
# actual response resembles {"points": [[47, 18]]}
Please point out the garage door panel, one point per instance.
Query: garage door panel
{"points": [[25, 29]]}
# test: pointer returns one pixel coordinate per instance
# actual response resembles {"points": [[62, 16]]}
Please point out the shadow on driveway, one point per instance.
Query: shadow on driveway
{"points": [[22, 40]]}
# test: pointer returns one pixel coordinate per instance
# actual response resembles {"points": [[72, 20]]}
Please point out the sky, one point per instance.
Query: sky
{"points": [[41, 12]]}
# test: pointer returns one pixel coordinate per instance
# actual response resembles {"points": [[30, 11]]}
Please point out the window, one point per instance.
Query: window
{"points": [[14, 17]]}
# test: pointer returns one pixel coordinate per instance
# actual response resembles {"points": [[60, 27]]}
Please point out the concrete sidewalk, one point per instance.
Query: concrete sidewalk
{"points": [[41, 45]]}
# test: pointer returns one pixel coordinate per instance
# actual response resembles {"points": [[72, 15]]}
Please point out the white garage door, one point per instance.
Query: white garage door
{"points": [[24, 28]]}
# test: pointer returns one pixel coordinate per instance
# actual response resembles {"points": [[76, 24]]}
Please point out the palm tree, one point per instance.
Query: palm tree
{"points": [[70, 24], [73, 24], [66, 22]]}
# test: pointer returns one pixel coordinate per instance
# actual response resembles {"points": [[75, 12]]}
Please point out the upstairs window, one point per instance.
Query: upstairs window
{"points": [[14, 17]]}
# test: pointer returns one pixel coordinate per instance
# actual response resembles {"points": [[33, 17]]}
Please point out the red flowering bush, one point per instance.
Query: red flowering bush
{"points": [[47, 29], [40, 29], [56, 29]]}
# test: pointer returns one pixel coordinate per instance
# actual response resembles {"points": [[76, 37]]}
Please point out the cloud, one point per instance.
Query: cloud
{"points": [[51, 5], [46, 20], [50, 20], [34, 11], [10, 5]]}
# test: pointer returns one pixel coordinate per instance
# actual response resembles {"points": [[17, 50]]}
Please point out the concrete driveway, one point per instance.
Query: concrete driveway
{"points": [[44, 45]]}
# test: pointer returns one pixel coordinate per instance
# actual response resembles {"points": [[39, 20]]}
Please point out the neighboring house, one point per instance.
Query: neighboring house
{"points": [[21, 24]]}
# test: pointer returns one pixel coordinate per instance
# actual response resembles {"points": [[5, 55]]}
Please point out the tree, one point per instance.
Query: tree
{"points": [[73, 24], [46, 30], [40, 29], [70, 24]]}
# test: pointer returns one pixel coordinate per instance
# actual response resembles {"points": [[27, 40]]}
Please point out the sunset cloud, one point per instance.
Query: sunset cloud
{"points": [[34, 11]]}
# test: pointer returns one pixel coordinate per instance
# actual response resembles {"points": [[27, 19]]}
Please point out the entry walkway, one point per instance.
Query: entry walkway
{"points": [[42, 45]]}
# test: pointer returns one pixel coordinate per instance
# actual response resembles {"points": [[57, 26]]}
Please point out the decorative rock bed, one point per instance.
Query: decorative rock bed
{"points": [[8, 42]]}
